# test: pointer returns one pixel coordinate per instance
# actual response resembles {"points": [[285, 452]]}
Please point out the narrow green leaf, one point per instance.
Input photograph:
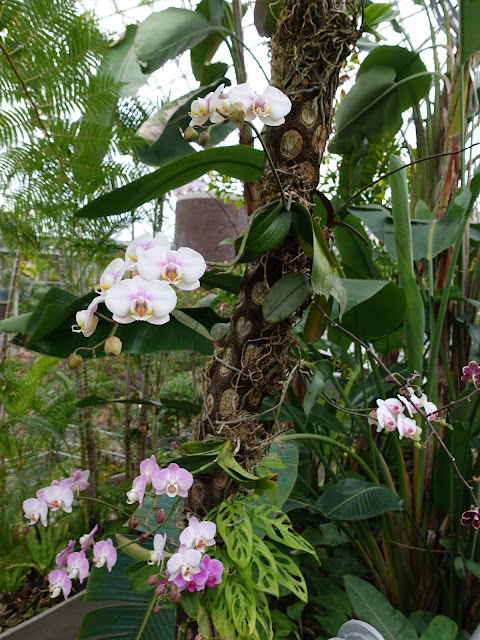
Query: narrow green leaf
{"points": [[240, 162], [323, 371], [316, 323], [265, 16], [286, 296], [16, 324], [267, 231], [321, 268], [355, 499], [371, 607], [414, 312], [121, 63], [191, 323]]}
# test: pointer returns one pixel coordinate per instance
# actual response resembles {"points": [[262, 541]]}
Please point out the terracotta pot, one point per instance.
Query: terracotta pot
{"points": [[203, 221]]}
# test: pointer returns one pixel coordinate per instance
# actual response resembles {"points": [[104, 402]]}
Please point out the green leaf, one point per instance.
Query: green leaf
{"points": [[167, 34], [263, 568], [239, 161], [321, 268], [235, 528], [277, 526], [216, 278], [323, 371], [316, 323], [265, 16], [132, 618], [473, 567], [248, 480], [191, 323], [358, 291], [240, 600], [354, 499], [169, 526], [16, 324], [371, 607], [378, 12], [288, 573], [387, 306], [268, 230], [389, 81], [286, 296], [469, 29], [441, 628], [121, 63], [414, 311], [356, 255], [287, 454]]}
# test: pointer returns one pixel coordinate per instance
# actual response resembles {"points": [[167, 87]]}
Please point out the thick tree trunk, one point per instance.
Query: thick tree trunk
{"points": [[309, 46]]}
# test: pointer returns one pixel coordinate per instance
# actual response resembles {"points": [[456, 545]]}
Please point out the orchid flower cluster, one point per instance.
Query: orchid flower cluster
{"points": [[238, 104], [59, 495], [74, 564], [148, 295], [391, 416], [188, 568]]}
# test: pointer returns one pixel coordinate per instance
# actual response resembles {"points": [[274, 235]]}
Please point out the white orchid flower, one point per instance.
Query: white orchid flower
{"points": [[202, 109], [271, 106], [141, 244], [183, 267], [86, 320], [112, 274], [140, 299]]}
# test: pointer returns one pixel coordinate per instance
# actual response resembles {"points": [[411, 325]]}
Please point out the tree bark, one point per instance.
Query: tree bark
{"points": [[311, 41]]}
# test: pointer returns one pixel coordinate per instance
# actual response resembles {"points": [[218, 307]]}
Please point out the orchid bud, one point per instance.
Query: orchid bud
{"points": [[175, 595], [156, 609], [203, 139], [237, 112], [160, 516], [25, 530], [142, 537], [160, 590], [132, 524], [417, 444], [190, 134], [113, 346], [74, 361], [152, 580]]}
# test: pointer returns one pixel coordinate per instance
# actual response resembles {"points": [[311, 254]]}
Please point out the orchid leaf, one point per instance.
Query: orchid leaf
{"points": [[240, 162], [286, 296]]}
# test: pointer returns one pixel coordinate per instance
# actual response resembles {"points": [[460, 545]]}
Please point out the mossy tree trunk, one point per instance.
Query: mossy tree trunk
{"points": [[311, 41]]}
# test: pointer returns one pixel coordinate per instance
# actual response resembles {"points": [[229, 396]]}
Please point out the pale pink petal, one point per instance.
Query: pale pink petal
{"points": [[119, 297]]}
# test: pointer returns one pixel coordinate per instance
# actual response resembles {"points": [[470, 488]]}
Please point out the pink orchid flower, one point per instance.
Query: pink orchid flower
{"points": [[77, 566], [86, 540], [137, 492], [63, 556], [79, 481], [111, 275], [104, 553], [471, 373], [271, 106], [184, 565], [407, 427], [156, 556], [148, 468], [58, 496], [385, 418], [183, 267], [214, 569], [471, 516], [59, 582], [174, 481], [198, 535], [139, 299], [86, 320], [141, 244], [36, 509]]}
